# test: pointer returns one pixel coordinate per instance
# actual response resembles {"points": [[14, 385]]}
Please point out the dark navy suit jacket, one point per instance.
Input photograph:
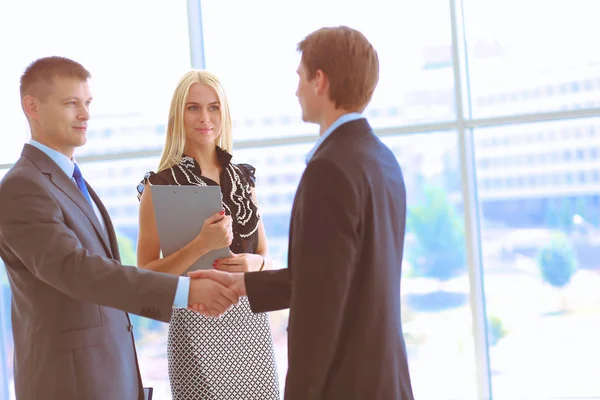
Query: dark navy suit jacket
{"points": [[342, 283]]}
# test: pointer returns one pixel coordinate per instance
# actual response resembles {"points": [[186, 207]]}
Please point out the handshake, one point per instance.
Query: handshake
{"points": [[213, 292]]}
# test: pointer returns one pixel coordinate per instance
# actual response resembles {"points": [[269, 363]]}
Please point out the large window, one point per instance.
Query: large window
{"points": [[6, 342], [258, 65], [416, 87], [278, 171], [135, 52], [532, 56], [500, 157], [538, 179], [435, 287], [435, 282], [540, 212]]}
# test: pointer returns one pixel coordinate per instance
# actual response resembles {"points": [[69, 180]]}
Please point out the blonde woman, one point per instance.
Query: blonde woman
{"points": [[231, 357]]}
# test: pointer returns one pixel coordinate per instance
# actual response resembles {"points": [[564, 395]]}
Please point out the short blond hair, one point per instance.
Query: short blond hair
{"points": [[38, 77]]}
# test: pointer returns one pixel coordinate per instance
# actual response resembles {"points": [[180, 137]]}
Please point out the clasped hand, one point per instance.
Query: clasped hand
{"points": [[214, 292], [216, 297], [223, 289]]}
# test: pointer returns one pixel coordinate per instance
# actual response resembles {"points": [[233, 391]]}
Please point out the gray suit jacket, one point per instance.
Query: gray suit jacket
{"points": [[73, 339]]}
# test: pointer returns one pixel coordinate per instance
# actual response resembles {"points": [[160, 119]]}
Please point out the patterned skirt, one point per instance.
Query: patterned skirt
{"points": [[226, 358]]}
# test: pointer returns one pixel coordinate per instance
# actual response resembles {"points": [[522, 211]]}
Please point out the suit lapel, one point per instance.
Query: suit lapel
{"points": [[354, 127], [68, 187], [112, 237]]}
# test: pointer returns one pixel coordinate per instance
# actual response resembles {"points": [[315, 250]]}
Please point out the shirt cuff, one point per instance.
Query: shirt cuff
{"points": [[183, 292]]}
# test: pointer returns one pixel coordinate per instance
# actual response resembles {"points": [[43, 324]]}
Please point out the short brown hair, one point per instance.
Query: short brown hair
{"points": [[349, 61], [40, 74]]}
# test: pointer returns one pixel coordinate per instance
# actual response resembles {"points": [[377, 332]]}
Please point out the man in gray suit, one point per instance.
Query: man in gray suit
{"points": [[73, 337]]}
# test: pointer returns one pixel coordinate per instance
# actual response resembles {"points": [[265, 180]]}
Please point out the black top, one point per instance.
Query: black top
{"points": [[236, 183]]}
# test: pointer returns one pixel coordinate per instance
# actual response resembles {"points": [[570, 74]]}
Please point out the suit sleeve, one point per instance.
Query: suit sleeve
{"points": [[324, 259], [33, 230], [268, 290]]}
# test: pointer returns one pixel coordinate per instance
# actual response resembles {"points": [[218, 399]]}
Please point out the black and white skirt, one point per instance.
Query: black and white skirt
{"points": [[226, 358]]}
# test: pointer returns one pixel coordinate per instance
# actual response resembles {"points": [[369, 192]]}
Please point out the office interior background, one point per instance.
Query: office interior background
{"points": [[492, 108]]}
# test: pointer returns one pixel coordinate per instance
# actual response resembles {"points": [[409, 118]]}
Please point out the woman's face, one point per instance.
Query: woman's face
{"points": [[202, 115]]}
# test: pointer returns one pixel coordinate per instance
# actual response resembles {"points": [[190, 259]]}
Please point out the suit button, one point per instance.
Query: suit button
{"points": [[130, 328]]}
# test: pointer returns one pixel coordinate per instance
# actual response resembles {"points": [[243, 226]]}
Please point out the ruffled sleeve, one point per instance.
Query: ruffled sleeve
{"points": [[248, 171], [150, 178]]}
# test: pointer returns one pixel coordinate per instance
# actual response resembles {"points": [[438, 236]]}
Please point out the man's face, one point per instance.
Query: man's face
{"points": [[307, 96], [62, 115]]}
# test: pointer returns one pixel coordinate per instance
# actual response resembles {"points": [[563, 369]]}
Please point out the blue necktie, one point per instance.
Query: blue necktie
{"points": [[81, 184]]}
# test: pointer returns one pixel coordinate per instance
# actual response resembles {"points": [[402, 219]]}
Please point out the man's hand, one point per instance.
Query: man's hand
{"points": [[215, 297], [234, 282]]}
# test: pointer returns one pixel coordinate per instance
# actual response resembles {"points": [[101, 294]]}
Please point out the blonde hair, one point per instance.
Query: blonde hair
{"points": [[175, 139]]}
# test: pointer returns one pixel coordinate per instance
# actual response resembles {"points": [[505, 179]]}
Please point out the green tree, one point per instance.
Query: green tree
{"points": [[558, 262], [127, 250], [129, 257], [3, 276], [496, 330], [439, 230]]}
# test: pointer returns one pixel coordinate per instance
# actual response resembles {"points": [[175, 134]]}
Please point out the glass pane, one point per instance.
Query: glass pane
{"points": [[278, 171], [539, 188], [437, 317], [258, 66], [522, 60], [132, 80], [437, 313], [132, 86], [6, 338]]}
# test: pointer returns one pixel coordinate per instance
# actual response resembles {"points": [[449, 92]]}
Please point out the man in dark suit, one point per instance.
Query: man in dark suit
{"points": [[346, 238], [73, 340]]}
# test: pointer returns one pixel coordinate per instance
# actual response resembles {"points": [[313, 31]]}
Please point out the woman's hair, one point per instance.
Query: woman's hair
{"points": [[175, 139]]}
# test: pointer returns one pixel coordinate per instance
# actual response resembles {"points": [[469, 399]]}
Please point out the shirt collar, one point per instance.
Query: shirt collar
{"points": [[341, 120], [63, 162]]}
